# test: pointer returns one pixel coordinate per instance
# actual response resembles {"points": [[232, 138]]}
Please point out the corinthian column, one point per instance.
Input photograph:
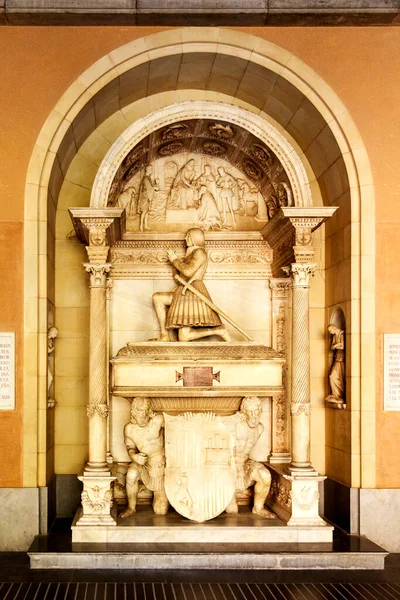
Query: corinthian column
{"points": [[98, 408], [300, 404], [98, 229]]}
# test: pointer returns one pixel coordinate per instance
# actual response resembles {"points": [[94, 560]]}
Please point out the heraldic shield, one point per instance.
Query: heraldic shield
{"points": [[200, 472]]}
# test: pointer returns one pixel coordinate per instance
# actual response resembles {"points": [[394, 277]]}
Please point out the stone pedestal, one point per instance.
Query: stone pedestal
{"points": [[97, 501], [295, 498]]}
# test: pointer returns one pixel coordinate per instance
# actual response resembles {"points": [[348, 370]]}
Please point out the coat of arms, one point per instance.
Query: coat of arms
{"points": [[200, 469]]}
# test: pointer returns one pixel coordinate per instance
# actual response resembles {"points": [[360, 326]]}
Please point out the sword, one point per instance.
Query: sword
{"points": [[211, 305]]}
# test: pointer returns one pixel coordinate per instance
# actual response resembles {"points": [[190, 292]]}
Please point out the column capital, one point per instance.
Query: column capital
{"points": [[289, 233], [280, 287], [98, 227], [300, 273], [98, 273]]}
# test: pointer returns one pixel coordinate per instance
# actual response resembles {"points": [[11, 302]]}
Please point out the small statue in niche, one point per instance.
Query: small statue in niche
{"points": [[182, 309], [144, 439], [337, 373], [52, 333], [250, 472]]}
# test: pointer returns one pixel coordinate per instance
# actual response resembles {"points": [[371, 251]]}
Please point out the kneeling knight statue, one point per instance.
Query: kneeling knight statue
{"points": [[188, 307]]}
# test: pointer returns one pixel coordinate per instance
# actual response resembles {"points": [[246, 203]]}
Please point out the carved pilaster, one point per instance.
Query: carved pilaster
{"points": [[98, 357], [300, 402], [280, 421]]}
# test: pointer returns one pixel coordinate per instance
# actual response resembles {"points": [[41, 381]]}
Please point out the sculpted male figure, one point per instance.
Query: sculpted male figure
{"points": [[144, 438], [249, 471], [183, 310]]}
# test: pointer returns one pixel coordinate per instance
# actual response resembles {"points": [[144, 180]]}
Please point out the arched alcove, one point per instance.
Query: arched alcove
{"points": [[140, 77]]}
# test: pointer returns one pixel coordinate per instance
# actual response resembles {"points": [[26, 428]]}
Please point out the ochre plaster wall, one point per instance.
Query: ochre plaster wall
{"points": [[362, 65]]}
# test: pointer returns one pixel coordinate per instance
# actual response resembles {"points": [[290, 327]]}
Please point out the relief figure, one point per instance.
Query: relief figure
{"points": [[182, 309], [183, 191], [208, 216], [144, 439], [128, 199], [248, 198], [208, 180], [250, 472], [146, 193], [228, 201]]}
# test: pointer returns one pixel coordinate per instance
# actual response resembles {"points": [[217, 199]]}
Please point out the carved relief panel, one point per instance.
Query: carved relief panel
{"points": [[202, 173]]}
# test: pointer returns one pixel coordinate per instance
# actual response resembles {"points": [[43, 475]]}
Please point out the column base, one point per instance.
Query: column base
{"points": [[298, 471], [97, 499], [97, 467], [294, 497], [279, 457]]}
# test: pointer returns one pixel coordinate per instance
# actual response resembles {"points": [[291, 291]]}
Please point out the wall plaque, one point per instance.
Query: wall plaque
{"points": [[7, 371], [391, 362]]}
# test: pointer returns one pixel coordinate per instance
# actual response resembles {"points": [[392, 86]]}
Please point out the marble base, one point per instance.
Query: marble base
{"points": [[156, 369], [212, 560], [146, 527], [379, 517], [20, 518]]}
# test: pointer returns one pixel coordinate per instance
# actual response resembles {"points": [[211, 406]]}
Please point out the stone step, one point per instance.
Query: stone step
{"points": [[147, 528], [213, 557], [242, 541]]}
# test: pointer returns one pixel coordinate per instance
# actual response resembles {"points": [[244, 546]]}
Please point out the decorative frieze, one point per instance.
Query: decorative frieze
{"points": [[148, 259]]}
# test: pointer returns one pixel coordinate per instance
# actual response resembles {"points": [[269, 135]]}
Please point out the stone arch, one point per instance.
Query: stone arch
{"points": [[292, 93]]}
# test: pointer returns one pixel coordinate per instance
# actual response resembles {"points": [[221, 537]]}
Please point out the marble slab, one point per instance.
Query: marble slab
{"points": [[146, 527]]}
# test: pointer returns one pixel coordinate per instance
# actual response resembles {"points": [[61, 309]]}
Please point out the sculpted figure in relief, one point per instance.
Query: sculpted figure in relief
{"points": [[181, 309], [144, 439], [228, 201], [183, 191], [337, 374], [208, 216], [250, 472], [146, 193]]}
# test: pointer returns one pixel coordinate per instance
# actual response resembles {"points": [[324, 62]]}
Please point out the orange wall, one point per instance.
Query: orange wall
{"points": [[361, 64]]}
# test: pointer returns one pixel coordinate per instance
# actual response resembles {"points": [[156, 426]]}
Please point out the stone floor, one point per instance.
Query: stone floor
{"points": [[19, 582]]}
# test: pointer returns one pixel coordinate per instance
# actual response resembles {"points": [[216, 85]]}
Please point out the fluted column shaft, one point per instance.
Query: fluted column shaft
{"points": [[98, 408], [300, 403]]}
